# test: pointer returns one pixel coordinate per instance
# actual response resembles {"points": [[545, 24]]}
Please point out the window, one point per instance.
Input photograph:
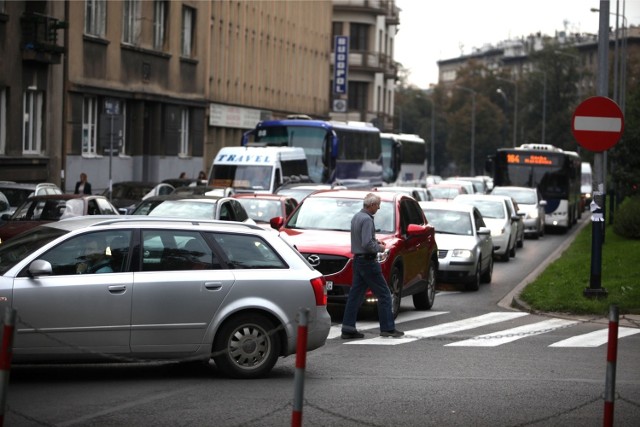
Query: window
{"points": [[95, 17], [32, 121], [90, 126], [171, 250], [131, 21], [3, 120], [184, 132], [159, 23], [359, 40], [188, 24], [246, 251], [357, 96]]}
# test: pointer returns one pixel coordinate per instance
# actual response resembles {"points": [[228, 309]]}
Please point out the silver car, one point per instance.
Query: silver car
{"points": [[132, 289], [530, 203], [500, 218], [465, 247]]}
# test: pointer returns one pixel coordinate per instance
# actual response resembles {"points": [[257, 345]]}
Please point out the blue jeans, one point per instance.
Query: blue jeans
{"points": [[367, 274]]}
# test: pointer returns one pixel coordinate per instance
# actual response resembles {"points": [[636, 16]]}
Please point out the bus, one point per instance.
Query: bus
{"points": [[410, 154], [555, 172], [344, 153], [586, 187]]}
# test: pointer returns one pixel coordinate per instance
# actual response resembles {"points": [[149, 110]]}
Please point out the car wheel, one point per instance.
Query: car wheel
{"points": [[512, 251], [474, 284], [488, 274], [246, 346], [521, 241], [395, 286], [505, 256], [424, 300]]}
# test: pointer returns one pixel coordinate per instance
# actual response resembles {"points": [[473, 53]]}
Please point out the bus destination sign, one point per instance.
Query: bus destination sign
{"points": [[531, 159]]}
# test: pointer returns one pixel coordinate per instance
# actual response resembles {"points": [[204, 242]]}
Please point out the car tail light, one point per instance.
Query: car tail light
{"points": [[319, 286]]}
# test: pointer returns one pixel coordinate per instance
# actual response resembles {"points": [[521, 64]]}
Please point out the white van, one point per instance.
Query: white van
{"points": [[586, 184], [258, 169]]}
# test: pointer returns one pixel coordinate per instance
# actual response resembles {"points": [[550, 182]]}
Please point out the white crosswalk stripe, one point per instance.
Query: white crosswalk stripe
{"points": [[595, 338], [336, 331], [443, 329], [509, 335]]}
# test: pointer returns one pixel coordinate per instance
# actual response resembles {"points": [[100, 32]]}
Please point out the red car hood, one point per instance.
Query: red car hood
{"points": [[13, 228], [322, 241]]}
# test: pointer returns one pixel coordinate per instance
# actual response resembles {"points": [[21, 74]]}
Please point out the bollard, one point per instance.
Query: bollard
{"points": [[301, 361], [5, 357], [612, 355]]}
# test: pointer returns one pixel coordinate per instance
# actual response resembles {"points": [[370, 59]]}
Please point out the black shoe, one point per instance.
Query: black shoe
{"points": [[393, 334], [352, 335]]}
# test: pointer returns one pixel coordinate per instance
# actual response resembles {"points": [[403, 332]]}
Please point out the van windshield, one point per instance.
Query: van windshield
{"points": [[240, 176]]}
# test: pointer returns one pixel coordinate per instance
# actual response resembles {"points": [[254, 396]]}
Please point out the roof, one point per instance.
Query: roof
{"points": [[446, 206], [387, 196], [277, 197], [141, 220]]}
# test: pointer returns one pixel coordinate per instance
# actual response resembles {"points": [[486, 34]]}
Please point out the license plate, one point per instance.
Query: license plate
{"points": [[329, 285]]}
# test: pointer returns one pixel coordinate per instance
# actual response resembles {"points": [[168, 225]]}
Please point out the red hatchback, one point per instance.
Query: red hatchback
{"points": [[320, 229]]}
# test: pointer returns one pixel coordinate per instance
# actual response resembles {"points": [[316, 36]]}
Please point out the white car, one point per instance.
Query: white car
{"points": [[500, 218], [530, 203], [465, 246]]}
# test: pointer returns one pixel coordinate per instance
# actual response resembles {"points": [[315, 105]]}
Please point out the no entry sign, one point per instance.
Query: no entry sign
{"points": [[597, 123]]}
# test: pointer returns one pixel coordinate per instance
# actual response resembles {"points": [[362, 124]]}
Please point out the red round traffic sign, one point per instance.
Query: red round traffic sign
{"points": [[597, 123]]}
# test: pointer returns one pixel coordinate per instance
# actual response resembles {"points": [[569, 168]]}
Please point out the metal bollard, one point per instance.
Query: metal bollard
{"points": [[5, 357], [301, 361], [612, 355]]}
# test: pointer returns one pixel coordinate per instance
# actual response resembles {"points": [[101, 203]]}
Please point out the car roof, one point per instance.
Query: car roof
{"points": [[447, 206], [64, 196], [481, 197], [75, 223], [513, 187], [277, 197], [387, 196], [183, 196], [26, 185]]}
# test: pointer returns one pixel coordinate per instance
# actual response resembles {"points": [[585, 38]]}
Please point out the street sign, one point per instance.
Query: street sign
{"points": [[597, 123]]}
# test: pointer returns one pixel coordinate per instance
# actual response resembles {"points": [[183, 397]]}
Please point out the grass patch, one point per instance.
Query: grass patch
{"points": [[560, 287]]}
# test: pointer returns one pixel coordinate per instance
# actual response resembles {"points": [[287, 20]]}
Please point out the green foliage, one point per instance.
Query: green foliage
{"points": [[626, 221], [561, 286]]}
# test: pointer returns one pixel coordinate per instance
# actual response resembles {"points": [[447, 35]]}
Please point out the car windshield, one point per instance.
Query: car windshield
{"points": [[444, 192], [261, 210], [449, 222], [177, 209], [488, 208], [40, 210], [335, 214], [16, 249], [524, 197]]}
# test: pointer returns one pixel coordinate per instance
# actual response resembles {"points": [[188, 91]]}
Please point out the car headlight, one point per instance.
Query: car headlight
{"points": [[383, 256], [462, 253], [533, 214]]}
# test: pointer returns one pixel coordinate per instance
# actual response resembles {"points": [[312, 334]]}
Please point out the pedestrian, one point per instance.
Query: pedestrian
{"points": [[83, 186], [367, 273], [183, 175], [202, 176]]}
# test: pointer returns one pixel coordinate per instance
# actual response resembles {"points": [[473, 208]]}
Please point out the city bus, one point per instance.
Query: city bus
{"points": [[345, 153], [555, 172], [410, 153]]}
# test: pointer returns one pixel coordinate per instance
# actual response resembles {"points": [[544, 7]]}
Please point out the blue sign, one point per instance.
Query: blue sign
{"points": [[340, 64]]}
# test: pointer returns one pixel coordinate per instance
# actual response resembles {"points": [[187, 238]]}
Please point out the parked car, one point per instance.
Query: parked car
{"points": [[299, 191], [519, 222], [5, 207], [530, 203], [179, 290], [500, 218], [18, 192], [445, 192], [193, 207], [39, 210], [465, 247], [127, 194], [320, 228], [421, 194], [262, 207]]}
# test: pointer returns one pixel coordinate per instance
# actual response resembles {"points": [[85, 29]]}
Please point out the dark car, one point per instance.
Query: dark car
{"points": [[39, 210], [262, 207], [320, 228], [18, 192], [127, 194]]}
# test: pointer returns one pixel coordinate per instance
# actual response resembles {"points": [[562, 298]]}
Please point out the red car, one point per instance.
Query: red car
{"points": [[262, 207], [320, 229], [39, 210]]}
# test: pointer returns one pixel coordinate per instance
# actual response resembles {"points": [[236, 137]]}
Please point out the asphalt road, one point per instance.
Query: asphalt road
{"points": [[470, 361]]}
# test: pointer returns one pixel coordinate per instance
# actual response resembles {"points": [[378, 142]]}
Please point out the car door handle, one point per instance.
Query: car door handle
{"points": [[213, 286], [117, 289]]}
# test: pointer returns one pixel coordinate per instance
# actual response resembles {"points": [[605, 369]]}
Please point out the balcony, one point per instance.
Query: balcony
{"points": [[373, 7], [40, 38]]}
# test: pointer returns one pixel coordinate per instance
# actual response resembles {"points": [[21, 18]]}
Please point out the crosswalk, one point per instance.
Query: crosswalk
{"points": [[536, 327]]}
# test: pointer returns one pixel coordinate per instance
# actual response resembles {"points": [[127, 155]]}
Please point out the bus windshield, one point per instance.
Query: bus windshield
{"points": [[244, 177]]}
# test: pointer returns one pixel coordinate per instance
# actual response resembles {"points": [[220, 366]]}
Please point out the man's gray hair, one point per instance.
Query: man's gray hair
{"points": [[370, 200]]}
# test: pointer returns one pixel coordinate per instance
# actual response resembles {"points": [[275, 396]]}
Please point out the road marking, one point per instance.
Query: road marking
{"points": [[336, 330], [595, 338], [443, 329], [508, 335]]}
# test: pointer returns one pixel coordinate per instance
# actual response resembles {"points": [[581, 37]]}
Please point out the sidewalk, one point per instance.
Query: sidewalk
{"points": [[512, 300]]}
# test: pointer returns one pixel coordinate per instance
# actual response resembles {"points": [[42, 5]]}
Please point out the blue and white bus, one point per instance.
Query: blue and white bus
{"points": [[555, 172], [412, 160], [347, 153]]}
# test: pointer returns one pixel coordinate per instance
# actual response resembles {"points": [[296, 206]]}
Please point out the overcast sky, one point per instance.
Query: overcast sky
{"points": [[432, 30]]}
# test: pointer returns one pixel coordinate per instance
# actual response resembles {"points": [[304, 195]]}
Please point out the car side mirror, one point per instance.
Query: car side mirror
{"points": [[484, 231], [40, 267], [416, 230], [6, 217], [515, 218], [543, 203], [276, 222], [3, 205]]}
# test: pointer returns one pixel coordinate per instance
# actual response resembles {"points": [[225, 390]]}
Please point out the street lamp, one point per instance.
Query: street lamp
{"points": [[506, 110], [473, 125], [515, 107]]}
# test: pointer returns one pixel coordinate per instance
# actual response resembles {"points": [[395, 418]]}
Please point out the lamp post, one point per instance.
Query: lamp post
{"points": [[515, 108], [473, 125], [506, 110]]}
